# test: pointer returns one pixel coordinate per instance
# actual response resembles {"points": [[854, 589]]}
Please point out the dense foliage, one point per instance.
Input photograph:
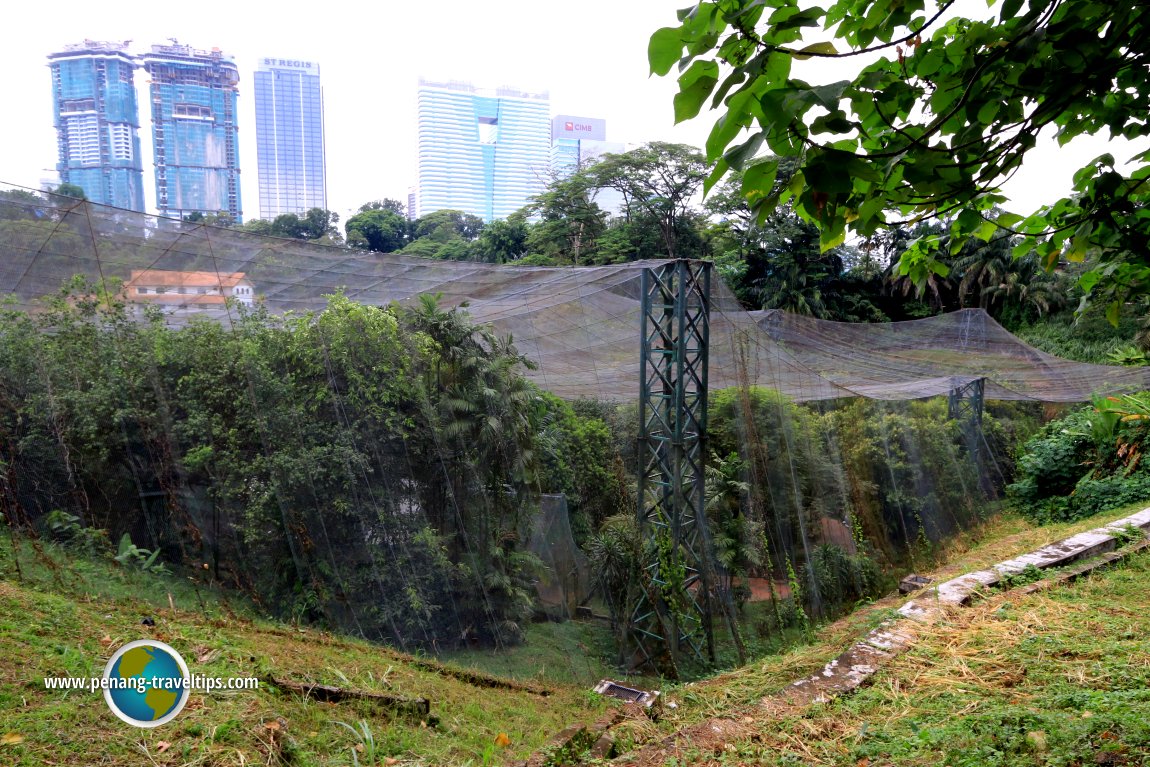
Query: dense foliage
{"points": [[1087, 461], [370, 468], [930, 124], [376, 469]]}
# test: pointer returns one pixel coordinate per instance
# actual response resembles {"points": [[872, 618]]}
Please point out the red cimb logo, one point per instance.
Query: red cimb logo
{"points": [[569, 126]]}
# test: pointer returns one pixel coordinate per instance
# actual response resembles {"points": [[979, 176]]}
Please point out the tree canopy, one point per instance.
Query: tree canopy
{"points": [[315, 224], [71, 190], [377, 227], [937, 111]]}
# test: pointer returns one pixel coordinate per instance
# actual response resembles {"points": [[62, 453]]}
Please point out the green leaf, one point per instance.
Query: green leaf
{"points": [[759, 178], [987, 112], [835, 122], [968, 220], [1008, 220], [825, 48], [715, 176], [664, 50], [738, 156], [735, 78], [789, 20], [930, 62], [832, 236], [1010, 9], [986, 230], [695, 85], [1112, 312], [1088, 280], [831, 94], [938, 267], [728, 125], [827, 173], [859, 168]]}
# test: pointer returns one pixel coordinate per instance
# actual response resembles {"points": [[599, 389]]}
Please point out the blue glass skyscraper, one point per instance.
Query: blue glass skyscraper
{"points": [[289, 137], [194, 131], [483, 152], [97, 118]]}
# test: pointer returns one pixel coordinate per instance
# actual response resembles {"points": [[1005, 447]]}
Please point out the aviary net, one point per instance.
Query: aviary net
{"points": [[432, 453], [579, 325]]}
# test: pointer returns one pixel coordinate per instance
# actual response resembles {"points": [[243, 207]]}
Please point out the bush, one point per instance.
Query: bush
{"points": [[67, 529], [1084, 463], [1054, 460], [843, 578]]}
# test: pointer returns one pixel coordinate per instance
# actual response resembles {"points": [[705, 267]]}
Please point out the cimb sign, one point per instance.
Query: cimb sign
{"points": [[568, 126]]}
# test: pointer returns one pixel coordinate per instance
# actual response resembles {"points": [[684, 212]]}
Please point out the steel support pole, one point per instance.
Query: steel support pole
{"points": [[672, 619]]}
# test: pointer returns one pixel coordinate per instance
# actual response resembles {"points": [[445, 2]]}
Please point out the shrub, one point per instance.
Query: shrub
{"points": [[842, 577], [1084, 463]]}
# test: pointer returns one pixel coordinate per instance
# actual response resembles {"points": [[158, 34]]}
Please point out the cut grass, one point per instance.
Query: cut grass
{"points": [[1001, 537], [1056, 678], [66, 617]]}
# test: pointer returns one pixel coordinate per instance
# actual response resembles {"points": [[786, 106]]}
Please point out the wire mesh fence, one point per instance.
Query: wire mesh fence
{"points": [[432, 453]]}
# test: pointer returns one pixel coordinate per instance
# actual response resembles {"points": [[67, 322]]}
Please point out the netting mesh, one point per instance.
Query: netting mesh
{"points": [[393, 473], [578, 324], [565, 581]]}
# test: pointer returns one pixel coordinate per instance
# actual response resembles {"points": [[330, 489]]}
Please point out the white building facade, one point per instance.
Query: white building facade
{"points": [[483, 152]]}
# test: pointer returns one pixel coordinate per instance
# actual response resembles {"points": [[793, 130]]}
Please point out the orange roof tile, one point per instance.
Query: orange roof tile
{"points": [[166, 278]]}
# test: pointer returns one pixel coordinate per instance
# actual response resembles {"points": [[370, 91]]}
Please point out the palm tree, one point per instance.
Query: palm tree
{"points": [[1029, 285], [981, 265], [485, 416]]}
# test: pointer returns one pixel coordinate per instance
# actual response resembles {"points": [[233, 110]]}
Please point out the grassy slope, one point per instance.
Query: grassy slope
{"points": [[70, 620], [726, 694], [1055, 678], [67, 616], [576, 653]]}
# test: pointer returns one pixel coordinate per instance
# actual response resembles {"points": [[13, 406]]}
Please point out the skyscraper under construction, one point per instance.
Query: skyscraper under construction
{"points": [[194, 132], [97, 119]]}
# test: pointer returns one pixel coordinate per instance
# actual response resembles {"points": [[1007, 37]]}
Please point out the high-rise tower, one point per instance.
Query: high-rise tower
{"points": [[97, 118], [576, 141], [483, 152], [289, 137], [194, 133]]}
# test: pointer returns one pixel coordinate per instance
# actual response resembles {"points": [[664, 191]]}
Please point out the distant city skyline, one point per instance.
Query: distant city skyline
{"points": [[484, 151], [597, 66]]}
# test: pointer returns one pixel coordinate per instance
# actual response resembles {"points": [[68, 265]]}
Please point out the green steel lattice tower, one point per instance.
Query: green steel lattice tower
{"points": [[672, 620]]}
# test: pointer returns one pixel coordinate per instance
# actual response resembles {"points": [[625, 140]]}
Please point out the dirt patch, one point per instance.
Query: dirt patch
{"points": [[761, 589]]}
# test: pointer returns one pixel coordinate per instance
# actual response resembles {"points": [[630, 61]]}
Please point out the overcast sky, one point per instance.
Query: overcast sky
{"points": [[590, 55]]}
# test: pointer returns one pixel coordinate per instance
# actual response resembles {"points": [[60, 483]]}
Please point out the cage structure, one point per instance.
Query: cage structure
{"points": [[577, 324], [350, 540]]}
